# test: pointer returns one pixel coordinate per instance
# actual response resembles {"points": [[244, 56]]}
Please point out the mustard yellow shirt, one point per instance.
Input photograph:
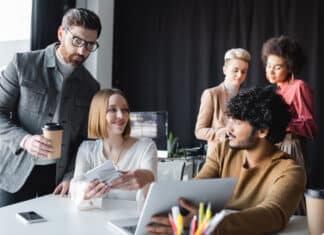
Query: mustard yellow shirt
{"points": [[266, 195]]}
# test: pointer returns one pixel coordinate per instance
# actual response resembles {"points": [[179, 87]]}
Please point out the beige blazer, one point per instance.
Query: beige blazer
{"points": [[211, 120]]}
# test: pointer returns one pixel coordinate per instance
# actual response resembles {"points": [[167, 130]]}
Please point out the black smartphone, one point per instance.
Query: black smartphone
{"points": [[30, 217]]}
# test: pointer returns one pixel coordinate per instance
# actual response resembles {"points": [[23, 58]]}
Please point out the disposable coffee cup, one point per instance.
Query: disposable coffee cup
{"points": [[315, 211], [54, 132]]}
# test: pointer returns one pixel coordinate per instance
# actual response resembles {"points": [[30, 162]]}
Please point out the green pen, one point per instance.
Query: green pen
{"points": [[201, 213], [208, 212]]}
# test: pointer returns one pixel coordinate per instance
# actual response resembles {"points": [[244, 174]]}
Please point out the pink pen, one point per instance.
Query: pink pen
{"points": [[173, 225], [193, 225]]}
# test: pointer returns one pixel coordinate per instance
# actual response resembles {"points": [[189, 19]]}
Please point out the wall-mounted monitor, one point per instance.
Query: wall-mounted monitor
{"points": [[152, 124]]}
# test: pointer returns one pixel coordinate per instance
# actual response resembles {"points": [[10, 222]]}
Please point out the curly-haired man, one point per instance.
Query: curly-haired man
{"points": [[270, 183]]}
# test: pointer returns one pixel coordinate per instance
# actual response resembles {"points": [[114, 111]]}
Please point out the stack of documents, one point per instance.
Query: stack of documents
{"points": [[105, 172]]}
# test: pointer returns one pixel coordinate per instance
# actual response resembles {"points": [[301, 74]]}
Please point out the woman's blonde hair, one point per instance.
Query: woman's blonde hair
{"points": [[97, 124], [237, 53]]}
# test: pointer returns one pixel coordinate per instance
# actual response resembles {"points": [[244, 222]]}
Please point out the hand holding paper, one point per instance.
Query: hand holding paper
{"points": [[133, 179], [106, 172]]}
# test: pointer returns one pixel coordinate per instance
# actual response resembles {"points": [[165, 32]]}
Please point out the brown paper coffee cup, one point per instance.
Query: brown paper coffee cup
{"points": [[54, 132], [315, 211]]}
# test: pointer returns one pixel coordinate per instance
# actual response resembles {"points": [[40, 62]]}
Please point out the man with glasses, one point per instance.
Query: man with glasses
{"points": [[49, 85]]}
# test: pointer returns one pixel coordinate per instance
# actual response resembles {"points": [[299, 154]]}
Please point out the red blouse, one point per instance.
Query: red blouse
{"points": [[299, 97]]}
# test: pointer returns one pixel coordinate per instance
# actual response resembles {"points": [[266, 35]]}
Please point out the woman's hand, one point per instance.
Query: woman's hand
{"points": [[62, 188], [96, 188], [222, 134], [133, 180]]}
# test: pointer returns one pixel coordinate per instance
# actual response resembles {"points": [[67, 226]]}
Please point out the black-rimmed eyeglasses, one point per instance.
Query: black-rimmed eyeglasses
{"points": [[78, 42]]}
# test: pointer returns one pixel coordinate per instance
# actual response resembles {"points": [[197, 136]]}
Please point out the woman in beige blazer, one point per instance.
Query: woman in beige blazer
{"points": [[211, 120]]}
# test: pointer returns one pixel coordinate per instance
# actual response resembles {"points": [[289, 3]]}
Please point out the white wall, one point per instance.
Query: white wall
{"points": [[100, 62], [9, 48]]}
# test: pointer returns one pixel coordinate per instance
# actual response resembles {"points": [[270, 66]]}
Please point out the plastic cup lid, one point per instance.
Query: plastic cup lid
{"points": [[315, 193], [52, 126]]}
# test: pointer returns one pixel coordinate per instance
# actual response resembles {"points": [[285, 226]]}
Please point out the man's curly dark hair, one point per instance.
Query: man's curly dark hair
{"points": [[262, 108]]}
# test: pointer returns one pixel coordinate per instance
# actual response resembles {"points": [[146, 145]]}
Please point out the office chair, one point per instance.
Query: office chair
{"points": [[170, 170]]}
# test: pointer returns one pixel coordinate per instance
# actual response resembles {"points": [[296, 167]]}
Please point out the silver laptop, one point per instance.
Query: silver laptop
{"points": [[163, 195]]}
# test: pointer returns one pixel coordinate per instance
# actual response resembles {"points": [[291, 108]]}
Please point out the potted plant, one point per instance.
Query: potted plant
{"points": [[172, 145]]}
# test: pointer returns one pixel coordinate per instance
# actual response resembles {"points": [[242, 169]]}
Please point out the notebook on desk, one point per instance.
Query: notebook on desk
{"points": [[163, 195]]}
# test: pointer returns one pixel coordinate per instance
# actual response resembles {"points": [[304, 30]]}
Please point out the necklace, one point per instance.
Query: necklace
{"points": [[109, 154]]}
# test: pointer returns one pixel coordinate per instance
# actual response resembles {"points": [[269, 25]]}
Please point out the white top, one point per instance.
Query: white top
{"points": [[141, 155]]}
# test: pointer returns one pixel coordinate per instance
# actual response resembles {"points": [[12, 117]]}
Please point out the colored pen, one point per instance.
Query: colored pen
{"points": [[175, 214], [208, 212], [179, 224], [205, 228], [173, 226], [201, 213], [193, 225], [214, 221], [200, 228]]}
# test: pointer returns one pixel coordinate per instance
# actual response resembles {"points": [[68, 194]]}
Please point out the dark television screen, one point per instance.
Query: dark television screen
{"points": [[151, 124]]}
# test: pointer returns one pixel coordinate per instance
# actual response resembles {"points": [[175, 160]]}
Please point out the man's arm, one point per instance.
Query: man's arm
{"points": [[205, 119], [273, 213], [10, 132]]}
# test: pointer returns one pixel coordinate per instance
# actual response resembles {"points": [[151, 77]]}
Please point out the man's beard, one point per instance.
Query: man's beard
{"points": [[247, 144], [69, 58]]}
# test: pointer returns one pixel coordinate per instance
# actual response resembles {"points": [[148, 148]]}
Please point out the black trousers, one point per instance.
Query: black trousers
{"points": [[41, 181]]}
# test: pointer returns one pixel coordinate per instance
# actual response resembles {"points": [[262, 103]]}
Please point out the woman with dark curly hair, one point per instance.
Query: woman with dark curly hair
{"points": [[284, 59]]}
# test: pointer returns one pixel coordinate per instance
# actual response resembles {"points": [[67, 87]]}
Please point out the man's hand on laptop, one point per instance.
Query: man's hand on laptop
{"points": [[160, 223], [133, 180]]}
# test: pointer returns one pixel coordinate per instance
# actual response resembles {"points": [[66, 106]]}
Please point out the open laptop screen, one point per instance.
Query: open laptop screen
{"points": [[215, 191]]}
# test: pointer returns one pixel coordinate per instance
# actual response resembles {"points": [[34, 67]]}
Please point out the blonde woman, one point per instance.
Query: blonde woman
{"points": [[212, 120], [109, 124]]}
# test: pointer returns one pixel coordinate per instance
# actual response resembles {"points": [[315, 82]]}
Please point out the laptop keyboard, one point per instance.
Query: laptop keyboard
{"points": [[130, 229]]}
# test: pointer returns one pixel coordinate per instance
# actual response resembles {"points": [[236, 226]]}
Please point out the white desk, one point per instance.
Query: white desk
{"points": [[64, 218], [296, 226]]}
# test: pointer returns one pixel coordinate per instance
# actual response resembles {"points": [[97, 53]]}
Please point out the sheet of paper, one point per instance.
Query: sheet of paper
{"points": [[216, 219], [105, 172]]}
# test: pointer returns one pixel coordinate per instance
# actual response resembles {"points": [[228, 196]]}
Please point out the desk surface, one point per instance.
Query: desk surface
{"points": [[64, 218]]}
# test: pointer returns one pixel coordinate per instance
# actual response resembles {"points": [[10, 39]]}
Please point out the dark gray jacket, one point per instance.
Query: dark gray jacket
{"points": [[28, 98]]}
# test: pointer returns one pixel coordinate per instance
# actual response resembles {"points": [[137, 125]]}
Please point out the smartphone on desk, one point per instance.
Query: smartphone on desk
{"points": [[30, 217]]}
